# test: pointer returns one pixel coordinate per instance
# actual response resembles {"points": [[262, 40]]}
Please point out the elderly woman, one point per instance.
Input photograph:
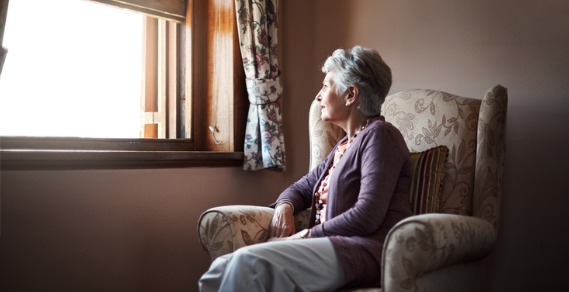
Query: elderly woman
{"points": [[355, 195]]}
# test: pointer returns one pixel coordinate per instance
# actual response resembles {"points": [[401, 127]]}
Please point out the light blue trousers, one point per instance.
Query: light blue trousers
{"points": [[294, 265]]}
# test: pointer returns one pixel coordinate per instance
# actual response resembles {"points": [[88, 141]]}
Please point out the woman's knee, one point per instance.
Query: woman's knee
{"points": [[245, 257]]}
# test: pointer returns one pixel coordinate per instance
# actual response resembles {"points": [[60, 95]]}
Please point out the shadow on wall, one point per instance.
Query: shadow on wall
{"points": [[304, 50]]}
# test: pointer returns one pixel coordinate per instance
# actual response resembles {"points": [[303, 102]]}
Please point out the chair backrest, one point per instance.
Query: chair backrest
{"points": [[472, 129]]}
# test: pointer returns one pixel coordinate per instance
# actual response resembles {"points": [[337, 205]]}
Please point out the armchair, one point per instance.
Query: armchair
{"points": [[426, 252]]}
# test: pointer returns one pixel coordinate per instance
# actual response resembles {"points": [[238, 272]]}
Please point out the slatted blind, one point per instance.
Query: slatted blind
{"points": [[174, 10]]}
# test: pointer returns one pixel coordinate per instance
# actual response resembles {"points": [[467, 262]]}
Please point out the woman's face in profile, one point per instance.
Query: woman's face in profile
{"points": [[332, 105]]}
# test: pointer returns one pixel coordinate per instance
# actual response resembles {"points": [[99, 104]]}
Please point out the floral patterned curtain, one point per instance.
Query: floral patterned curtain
{"points": [[264, 141]]}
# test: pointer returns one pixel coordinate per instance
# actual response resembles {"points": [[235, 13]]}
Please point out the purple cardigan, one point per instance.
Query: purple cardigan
{"points": [[368, 194]]}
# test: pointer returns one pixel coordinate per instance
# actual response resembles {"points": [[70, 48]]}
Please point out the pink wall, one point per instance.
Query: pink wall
{"points": [[136, 229], [115, 230]]}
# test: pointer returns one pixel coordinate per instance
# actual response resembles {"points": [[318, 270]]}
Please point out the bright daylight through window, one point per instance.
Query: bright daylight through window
{"points": [[73, 69]]}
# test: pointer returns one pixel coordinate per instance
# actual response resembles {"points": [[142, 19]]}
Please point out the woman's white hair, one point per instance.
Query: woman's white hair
{"points": [[365, 68]]}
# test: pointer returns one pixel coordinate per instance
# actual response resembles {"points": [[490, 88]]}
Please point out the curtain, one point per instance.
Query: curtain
{"points": [[264, 140]]}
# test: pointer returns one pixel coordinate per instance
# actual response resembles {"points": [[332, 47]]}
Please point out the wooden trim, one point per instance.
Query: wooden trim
{"points": [[162, 75], [90, 159], [3, 15], [101, 144], [225, 78], [172, 81], [174, 10], [31, 153], [185, 76], [196, 65], [240, 99]]}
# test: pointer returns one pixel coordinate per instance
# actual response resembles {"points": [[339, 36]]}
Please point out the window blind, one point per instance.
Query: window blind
{"points": [[174, 10]]}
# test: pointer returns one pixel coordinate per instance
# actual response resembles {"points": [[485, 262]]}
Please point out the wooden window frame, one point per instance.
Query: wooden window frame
{"points": [[3, 13], [206, 42]]}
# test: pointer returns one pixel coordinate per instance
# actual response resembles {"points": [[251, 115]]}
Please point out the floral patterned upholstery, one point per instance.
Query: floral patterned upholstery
{"points": [[429, 243], [424, 251], [490, 153], [322, 136], [472, 129], [225, 229]]}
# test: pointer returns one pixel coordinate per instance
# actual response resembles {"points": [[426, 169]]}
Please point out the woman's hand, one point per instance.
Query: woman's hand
{"points": [[305, 233], [282, 224]]}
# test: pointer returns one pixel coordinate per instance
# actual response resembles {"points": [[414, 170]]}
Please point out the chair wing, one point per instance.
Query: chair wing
{"points": [[490, 153], [322, 136]]}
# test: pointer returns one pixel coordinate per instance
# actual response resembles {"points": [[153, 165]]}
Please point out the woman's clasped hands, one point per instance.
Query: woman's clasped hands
{"points": [[282, 226]]}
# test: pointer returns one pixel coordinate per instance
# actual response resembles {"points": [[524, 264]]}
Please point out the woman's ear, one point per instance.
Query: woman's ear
{"points": [[353, 95]]}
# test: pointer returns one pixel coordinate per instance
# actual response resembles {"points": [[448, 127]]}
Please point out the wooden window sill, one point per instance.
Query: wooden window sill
{"points": [[23, 159]]}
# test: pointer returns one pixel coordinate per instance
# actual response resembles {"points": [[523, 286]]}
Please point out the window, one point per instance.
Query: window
{"points": [[192, 82], [84, 81]]}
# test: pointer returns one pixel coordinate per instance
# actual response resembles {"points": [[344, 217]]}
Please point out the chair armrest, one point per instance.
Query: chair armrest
{"points": [[425, 243], [223, 230]]}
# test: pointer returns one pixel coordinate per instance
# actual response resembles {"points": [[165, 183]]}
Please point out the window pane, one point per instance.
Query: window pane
{"points": [[73, 69]]}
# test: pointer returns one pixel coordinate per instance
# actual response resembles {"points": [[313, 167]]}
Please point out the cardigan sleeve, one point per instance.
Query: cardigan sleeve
{"points": [[300, 193]]}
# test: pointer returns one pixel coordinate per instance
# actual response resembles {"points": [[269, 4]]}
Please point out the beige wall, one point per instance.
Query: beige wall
{"points": [[136, 229]]}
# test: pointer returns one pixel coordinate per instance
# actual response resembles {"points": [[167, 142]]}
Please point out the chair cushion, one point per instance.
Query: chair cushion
{"points": [[426, 182]]}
